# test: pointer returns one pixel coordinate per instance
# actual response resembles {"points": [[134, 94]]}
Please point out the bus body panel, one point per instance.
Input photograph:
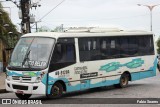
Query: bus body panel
{"points": [[99, 75], [26, 80], [41, 88]]}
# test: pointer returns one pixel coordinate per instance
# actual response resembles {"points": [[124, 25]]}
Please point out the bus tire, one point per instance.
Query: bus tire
{"points": [[56, 91], [23, 96], [123, 81]]}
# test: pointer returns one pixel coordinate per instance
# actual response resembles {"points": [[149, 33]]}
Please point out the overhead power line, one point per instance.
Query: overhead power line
{"points": [[50, 11], [99, 19], [105, 18]]}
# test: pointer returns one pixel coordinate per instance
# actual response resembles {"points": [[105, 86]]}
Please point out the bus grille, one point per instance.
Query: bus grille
{"points": [[20, 78]]}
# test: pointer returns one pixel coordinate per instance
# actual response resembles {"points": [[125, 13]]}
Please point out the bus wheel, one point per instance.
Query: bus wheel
{"points": [[123, 81], [23, 96], [57, 90]]}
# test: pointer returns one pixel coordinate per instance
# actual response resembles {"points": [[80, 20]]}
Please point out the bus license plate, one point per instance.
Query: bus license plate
{"points": [[19, 92]]}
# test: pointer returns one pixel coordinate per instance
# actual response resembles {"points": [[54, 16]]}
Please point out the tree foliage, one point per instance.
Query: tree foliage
{"points": [[7, 38], [158, 45], [44, 29]]}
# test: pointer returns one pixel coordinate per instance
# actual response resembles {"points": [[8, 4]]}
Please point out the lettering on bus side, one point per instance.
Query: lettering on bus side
{"points": [[80, 70], [94, 74], [63, 73]]}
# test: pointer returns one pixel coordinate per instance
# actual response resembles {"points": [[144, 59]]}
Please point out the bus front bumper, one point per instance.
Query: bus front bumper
{"points": [[25, 88]]}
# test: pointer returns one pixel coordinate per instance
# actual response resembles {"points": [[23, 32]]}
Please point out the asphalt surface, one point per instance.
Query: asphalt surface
{"points": [[2, 81], [145, 88]]}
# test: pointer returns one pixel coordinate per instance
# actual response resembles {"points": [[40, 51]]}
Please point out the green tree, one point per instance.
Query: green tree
{"points": [[44, 29], [158, 45], [6, 27], [57, 29]]}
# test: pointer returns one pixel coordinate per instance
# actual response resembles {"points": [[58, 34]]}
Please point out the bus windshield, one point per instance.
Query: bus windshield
{"points": [[31, 52]]}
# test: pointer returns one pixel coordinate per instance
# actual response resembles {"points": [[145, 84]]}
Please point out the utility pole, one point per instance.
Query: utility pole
{"points": [[25, 6], [25, 9], [36, 23]]}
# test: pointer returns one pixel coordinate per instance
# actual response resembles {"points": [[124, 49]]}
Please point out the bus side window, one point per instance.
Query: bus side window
{"points": [[89, 49], [146, 46], [124, 47], [57, 54], [109, 47], [64, 53]]}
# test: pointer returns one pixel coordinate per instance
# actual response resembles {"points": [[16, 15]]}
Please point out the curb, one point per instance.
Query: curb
{"points": [[3, 91]]}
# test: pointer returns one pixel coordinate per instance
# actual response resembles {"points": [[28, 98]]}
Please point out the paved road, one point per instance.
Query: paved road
{"points": [[146, 88], [2, 78]]}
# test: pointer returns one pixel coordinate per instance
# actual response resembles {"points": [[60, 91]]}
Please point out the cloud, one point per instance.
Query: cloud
{"points": [[122, 13]]}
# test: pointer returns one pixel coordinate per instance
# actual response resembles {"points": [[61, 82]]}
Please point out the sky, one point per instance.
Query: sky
{"points": [[123, 14]]}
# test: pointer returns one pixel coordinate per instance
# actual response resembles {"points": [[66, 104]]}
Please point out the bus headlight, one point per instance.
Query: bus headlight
{"points": [[8, 78], [38, 79]]}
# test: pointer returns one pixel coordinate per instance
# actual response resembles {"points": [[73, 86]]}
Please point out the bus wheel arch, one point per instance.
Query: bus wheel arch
{"points": [[62, 83], [124, 79], [129, 75], [57, 89]]}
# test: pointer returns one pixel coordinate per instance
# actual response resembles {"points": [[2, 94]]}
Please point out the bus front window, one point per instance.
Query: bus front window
{"points": [[31, 52]]}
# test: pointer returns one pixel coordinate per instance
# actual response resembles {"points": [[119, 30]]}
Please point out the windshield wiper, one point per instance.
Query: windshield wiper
{"points": [[26, 58]]}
